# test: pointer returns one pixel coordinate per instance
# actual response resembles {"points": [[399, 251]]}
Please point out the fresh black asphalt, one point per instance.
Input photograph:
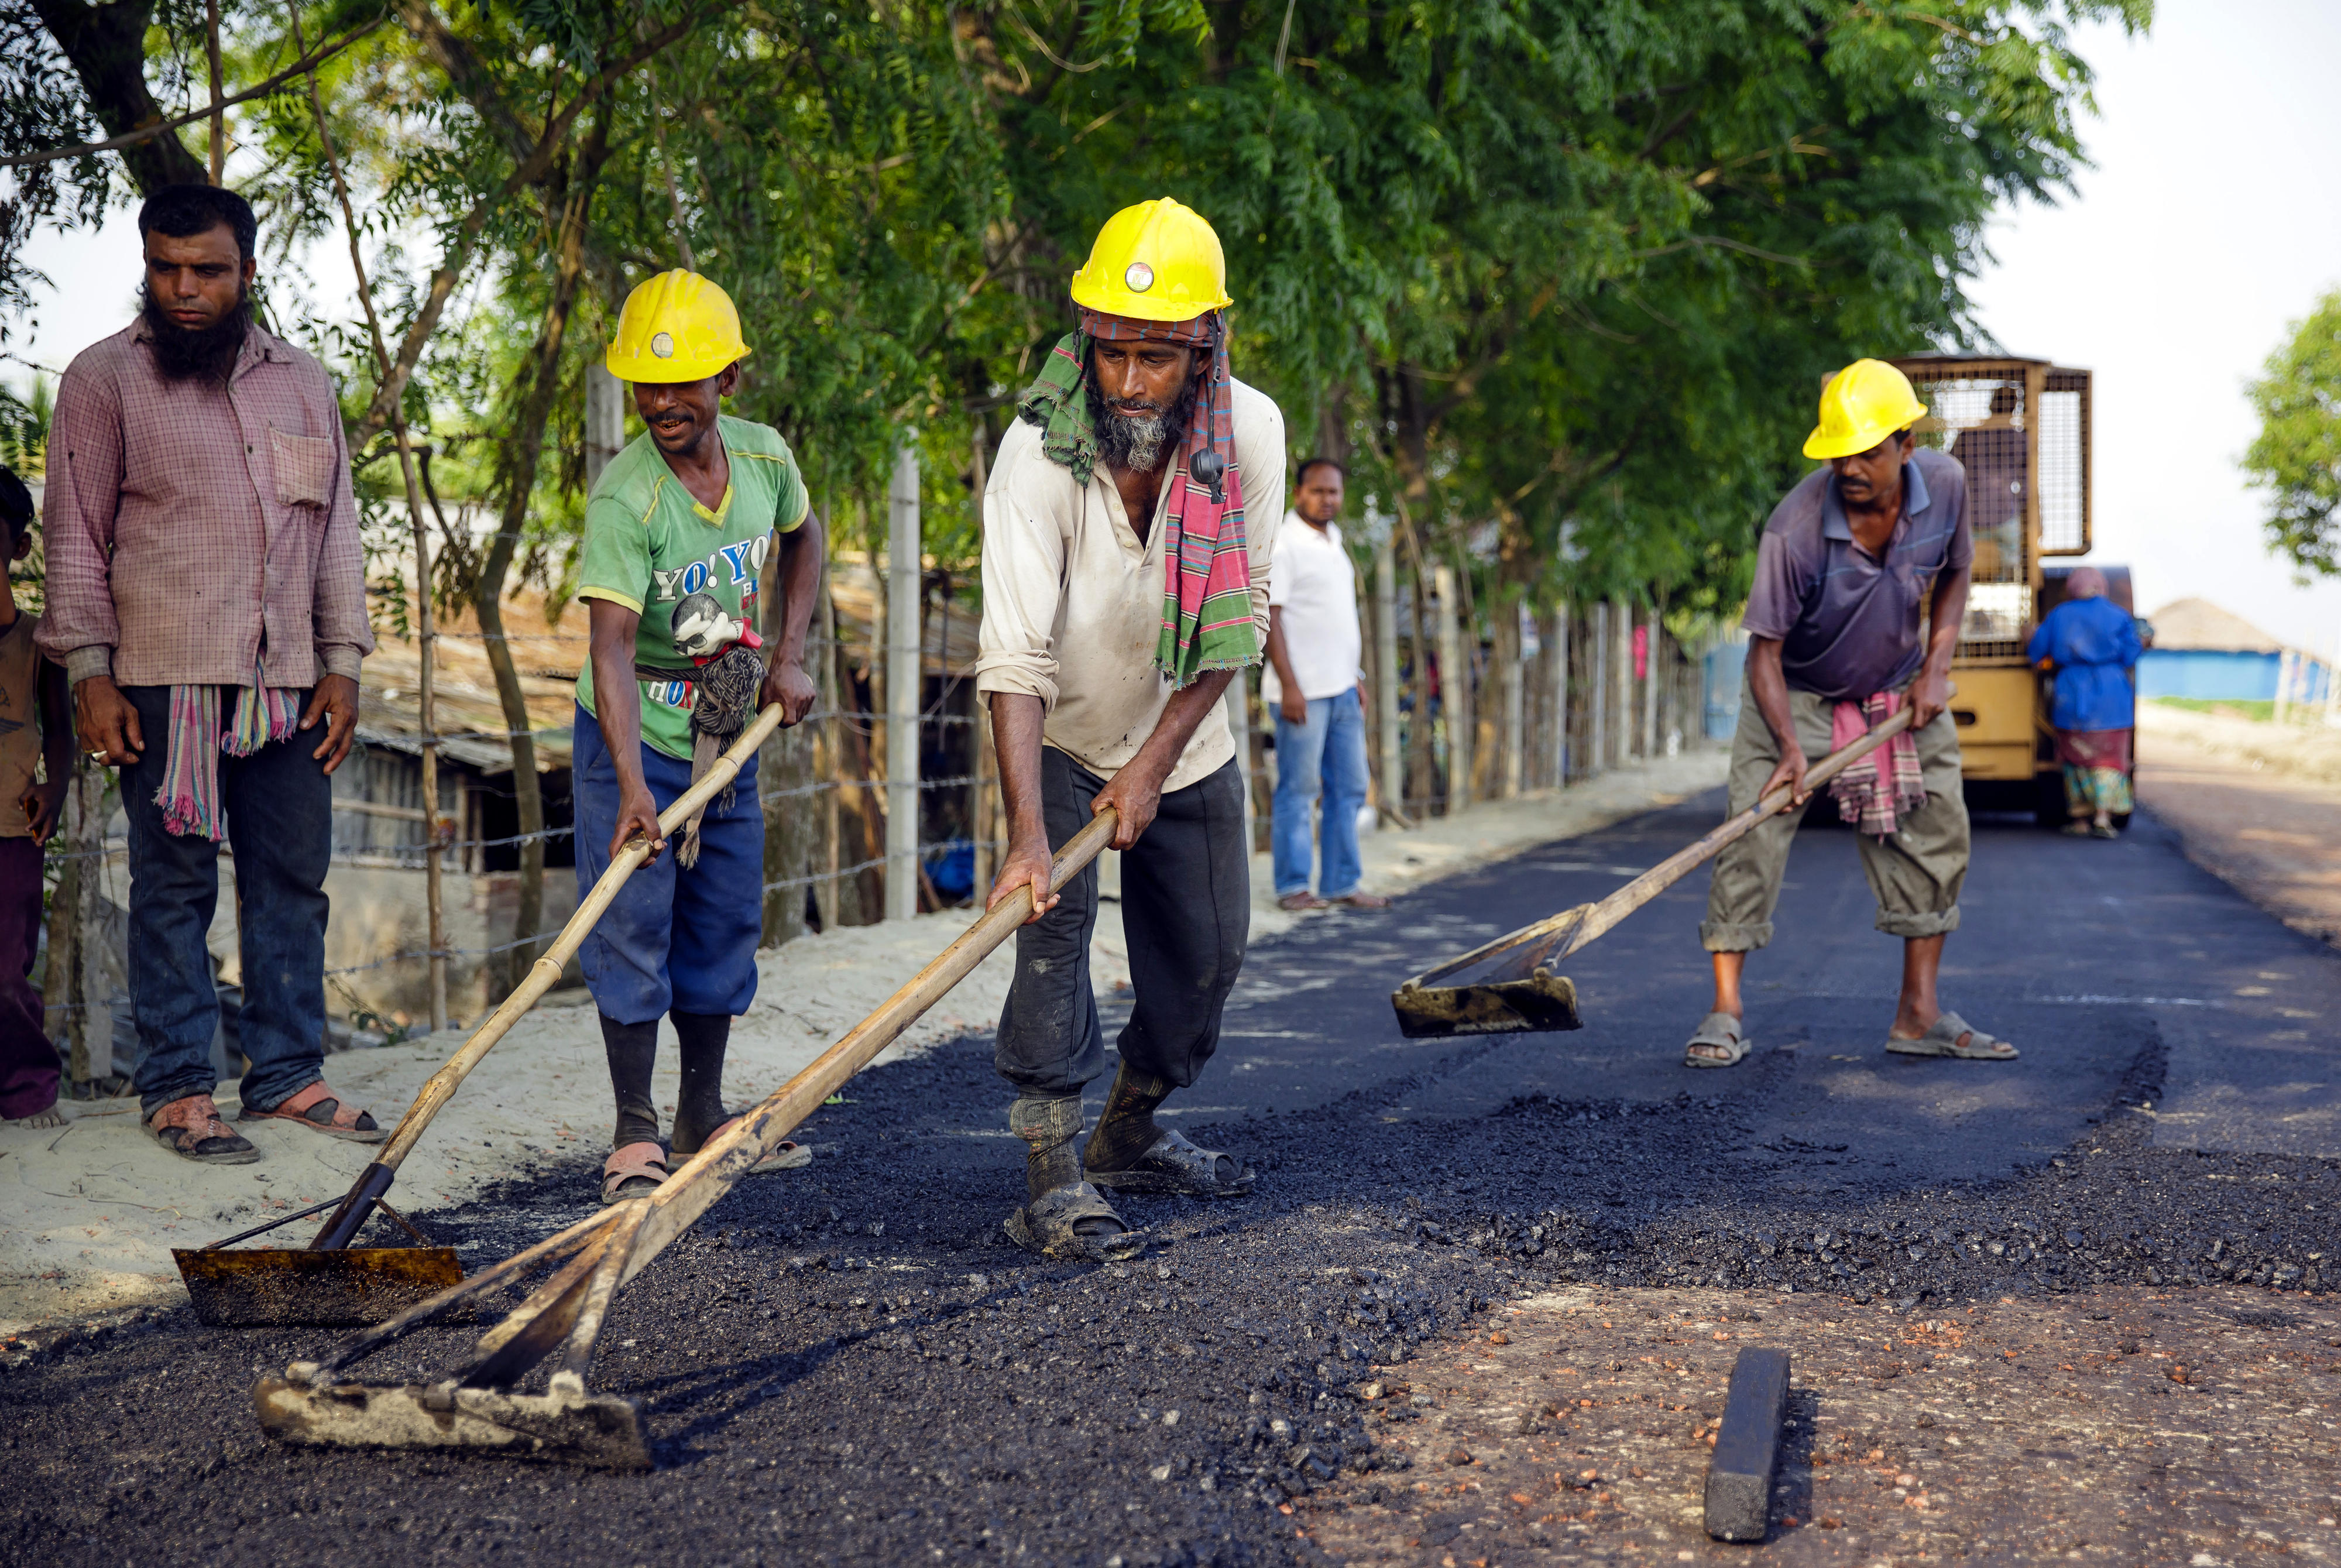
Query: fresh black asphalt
{"points": [[848, 1363]]}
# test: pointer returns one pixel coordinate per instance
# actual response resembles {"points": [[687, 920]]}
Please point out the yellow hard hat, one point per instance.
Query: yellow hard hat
{"points": [[1862, 404], [676, 327], [1157, 261]]}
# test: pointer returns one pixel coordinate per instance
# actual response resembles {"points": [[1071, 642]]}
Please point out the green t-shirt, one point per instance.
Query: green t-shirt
{"points": [[649, 546]]}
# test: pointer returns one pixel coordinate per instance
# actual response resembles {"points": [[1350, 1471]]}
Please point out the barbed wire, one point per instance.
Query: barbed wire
{"points": [[808, 880], [765, 797]]}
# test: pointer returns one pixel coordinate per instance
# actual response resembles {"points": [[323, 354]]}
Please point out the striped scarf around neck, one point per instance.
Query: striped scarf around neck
{"points": [[1207, 612]]}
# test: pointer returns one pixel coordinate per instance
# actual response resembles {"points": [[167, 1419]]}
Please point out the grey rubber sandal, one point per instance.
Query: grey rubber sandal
{"points": [[1050, 1225], [1173, 1164], [1942, 1039], [1722, 1032], [789, 1157]]}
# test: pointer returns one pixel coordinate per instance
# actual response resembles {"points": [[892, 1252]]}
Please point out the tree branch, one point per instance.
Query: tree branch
{"points": [[528, 172], [193, 172]]}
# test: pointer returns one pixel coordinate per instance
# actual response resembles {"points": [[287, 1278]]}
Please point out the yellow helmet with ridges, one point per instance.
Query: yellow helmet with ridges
{"points": [[1157, 261], [1862, 404], [676, 327]]}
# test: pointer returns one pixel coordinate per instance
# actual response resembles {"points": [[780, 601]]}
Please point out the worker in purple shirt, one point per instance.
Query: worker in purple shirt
{"points": [[206, 596], [1865, 554]]}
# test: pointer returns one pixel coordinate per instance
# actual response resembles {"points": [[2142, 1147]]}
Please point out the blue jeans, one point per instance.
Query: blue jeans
{"points": [[674, 940], [1329, 752], [279, 823]]}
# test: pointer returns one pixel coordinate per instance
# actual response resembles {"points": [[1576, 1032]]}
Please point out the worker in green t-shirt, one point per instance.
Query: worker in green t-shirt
{"points": [[678, 532]]}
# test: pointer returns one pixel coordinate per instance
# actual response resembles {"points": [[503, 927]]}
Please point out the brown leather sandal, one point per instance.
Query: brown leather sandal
{"points": [[316, 1108], [634, 1170], [195, 1132]]}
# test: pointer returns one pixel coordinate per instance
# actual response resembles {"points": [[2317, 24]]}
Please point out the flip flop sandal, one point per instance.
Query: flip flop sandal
{"points": [[212, 1144], [2108, 830], [1721, 1030], [1173, 1164], [1050, 1225], [315, 1109], [1942, 1039], [1297, 902], [635, 1170], [789, 1157], [2075, 830]]}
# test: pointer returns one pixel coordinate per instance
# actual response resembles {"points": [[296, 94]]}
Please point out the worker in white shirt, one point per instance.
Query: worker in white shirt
{"points": [[1124, 587], [1314, 647]]}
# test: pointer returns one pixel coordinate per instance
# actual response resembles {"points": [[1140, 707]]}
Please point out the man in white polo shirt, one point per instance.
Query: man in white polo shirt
{"points": [[1314, 647]]}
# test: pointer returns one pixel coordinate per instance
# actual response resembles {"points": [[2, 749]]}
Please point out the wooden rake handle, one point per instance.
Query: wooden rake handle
{"points": [[600, 1254], [441, 1086], [1573, 928]]}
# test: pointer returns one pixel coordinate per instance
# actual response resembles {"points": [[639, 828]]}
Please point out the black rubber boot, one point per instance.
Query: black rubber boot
{"points": [[632, 1049], [1126, 1130], [699, 1105]]}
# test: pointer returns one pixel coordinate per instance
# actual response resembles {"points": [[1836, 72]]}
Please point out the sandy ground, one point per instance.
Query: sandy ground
{"points": [[2125, 1426], [2258, 806], [2304, 753], [89, 1213]]}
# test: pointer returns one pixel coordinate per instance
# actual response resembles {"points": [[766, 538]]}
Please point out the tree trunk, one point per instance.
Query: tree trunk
{"points": [[1422, 767], [828, 750], [537, 388], [107, 46], [785, 776]]}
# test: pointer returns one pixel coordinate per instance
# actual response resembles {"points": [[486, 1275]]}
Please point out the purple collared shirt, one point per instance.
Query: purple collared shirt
{"points": [[196, 533], [1847, 622]]}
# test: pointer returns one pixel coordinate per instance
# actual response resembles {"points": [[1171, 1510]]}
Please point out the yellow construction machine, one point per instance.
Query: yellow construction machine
{"points": [[2021, 429]]}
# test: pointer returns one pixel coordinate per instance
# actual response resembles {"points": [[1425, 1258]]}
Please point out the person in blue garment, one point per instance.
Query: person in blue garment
{"points": [[2089, 643]]}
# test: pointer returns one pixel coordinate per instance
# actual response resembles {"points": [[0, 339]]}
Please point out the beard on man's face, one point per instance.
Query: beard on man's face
{"points": [[1140, 441], [191, 352]]}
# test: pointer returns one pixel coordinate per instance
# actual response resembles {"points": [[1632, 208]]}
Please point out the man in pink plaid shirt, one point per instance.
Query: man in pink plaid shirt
{"points": [[206, 596]]}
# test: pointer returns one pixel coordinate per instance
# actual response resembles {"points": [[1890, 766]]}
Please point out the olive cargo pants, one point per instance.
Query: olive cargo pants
{"points": [[1915, 874]]}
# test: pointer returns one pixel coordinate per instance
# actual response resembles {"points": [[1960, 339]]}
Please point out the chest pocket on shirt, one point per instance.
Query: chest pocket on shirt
{"points": [[304, 467]]}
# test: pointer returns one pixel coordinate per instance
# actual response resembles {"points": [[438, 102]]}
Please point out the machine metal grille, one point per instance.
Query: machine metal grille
{"points": [[2065, 464], [1978, 415]]}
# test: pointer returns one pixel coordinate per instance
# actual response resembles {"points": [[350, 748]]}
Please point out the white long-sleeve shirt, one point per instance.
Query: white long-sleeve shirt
{"points": [[1072, 603]]}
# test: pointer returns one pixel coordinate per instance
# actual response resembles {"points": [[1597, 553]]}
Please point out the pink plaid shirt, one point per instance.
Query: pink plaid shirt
{"points": [[201, 534]]}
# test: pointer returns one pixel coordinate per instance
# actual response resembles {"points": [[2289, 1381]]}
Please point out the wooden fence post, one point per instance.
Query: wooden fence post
{"points": [[1454, 693]]}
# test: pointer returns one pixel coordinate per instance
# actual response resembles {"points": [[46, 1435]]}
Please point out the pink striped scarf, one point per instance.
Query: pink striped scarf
{"points": [[1878, 790], [189, 795]]}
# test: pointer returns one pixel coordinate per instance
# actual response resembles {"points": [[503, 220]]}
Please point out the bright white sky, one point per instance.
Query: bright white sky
{"points": [[2212, 220]]}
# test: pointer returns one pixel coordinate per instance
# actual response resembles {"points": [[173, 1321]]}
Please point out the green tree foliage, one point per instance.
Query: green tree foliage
{"points": [[1558, 276], [2296, 457], [1570, 268]]}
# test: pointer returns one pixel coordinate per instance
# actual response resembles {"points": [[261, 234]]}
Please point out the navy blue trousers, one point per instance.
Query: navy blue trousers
{"points": [[674, 940]]}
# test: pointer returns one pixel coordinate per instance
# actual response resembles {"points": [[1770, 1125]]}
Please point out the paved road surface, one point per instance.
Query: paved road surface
{"points": [[849, 1364]]}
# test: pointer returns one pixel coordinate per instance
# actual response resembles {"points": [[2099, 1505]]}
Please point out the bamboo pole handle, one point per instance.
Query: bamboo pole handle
{"points": [[1601, 916], [1573, 927], [441, 1086]]}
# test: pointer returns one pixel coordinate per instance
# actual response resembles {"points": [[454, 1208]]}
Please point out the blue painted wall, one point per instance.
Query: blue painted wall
{"points": [[2203, 672]]}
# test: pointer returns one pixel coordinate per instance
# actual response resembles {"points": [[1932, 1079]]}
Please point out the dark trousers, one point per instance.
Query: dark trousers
{"points": [[28, 1063], [279, 823], [1186, 910]]}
